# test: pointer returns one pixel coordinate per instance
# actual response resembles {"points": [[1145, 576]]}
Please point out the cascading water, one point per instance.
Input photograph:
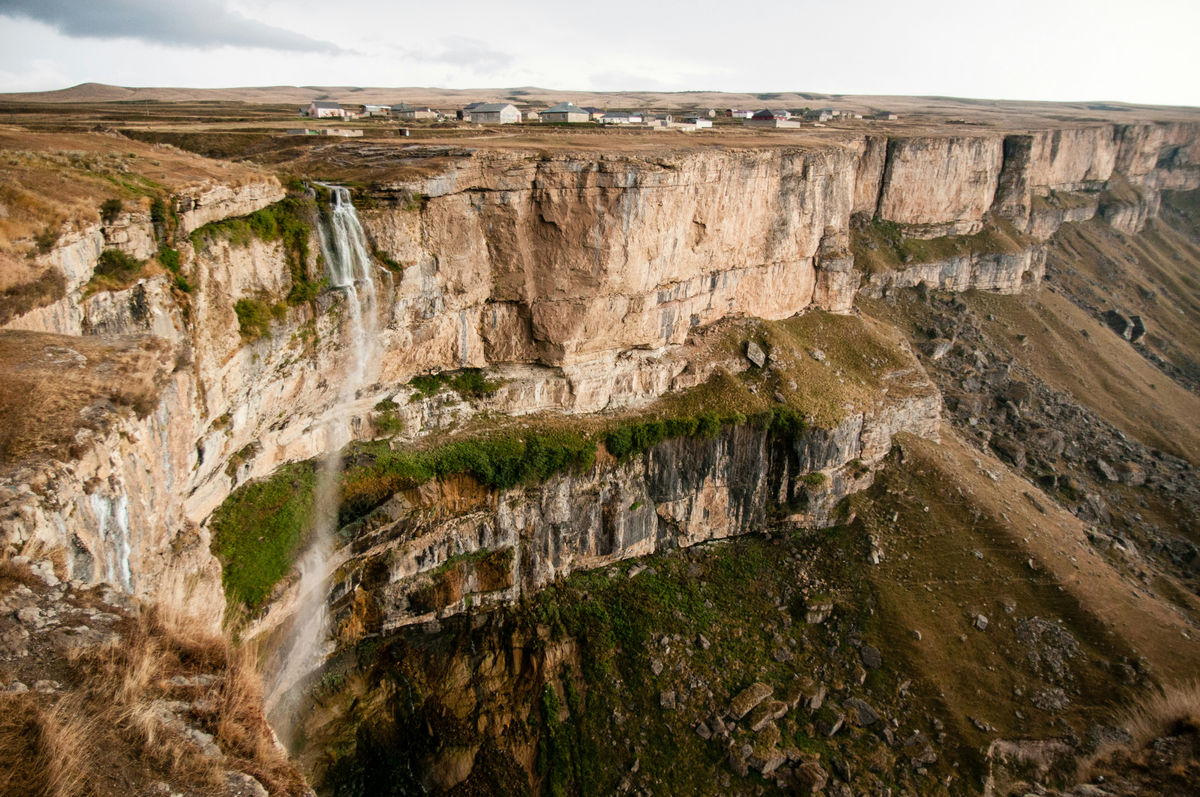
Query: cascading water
{"points": [[349, 268]]}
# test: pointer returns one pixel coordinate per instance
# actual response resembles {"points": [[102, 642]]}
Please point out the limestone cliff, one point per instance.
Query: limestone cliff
{"points": [[576, 276]]}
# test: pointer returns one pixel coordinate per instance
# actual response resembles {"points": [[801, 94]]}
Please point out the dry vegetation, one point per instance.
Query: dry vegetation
{"points": [[51, 386], [881, 246], [53, 182], [114, 727]]}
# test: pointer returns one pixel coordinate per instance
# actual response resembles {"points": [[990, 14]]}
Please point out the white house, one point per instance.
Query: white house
{"points": [[621, 118], [495, 113], [320, 109], [700, 122], [374, 110]]}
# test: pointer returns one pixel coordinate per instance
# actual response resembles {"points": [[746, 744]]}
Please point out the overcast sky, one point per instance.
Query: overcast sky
{"points": [[1145, 51]]}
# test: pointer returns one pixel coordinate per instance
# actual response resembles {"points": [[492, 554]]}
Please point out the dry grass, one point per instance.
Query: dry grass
{"points": [[51, 182], [123, 722], [1075, 353], [166, 657], [1170, 711], [882, 246], [1136, 764], [43, 750], [51, 386]]}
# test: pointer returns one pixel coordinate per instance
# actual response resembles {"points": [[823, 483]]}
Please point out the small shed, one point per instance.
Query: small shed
{"points": [[405, 111]]}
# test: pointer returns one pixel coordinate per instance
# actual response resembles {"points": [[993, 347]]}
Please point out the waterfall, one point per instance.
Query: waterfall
{"points": [[349, 268]]}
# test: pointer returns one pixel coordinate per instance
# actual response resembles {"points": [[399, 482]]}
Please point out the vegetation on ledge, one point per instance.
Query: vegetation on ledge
{"points": [[824, 367], [290, 222], [257, 532], [880, 245]]}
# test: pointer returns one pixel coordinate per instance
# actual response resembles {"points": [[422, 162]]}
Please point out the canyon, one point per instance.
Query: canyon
{"points": [[655, 347]]}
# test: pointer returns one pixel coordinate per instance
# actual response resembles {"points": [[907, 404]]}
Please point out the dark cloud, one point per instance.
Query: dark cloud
{"points": [[198, 23]]}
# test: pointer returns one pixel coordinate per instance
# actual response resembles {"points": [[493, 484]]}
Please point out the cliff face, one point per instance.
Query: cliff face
{"points": [[578, 277], [448, 545]]}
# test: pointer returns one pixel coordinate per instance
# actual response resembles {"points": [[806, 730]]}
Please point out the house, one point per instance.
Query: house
{"points": [[495, 113], [769, 117], [565, 112], [320, 109], [621, 118], [819, 115], [405, 111], [532, 116], [374, 110], [594, 114], [737, 113], [886, 116], [700, 122], [661, 122]]}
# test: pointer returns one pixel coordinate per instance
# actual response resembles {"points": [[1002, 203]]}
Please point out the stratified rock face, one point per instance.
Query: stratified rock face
{"points": [[946, 184], [589, 257], [680, 493], [215, 201]]}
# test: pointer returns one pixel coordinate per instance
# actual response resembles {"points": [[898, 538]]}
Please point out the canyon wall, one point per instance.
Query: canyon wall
{"points": [[449, 545], [577, 277]]}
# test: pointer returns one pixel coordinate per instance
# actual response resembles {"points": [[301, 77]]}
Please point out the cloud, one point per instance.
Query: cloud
{"points": [[468, 53], [198, 23]]}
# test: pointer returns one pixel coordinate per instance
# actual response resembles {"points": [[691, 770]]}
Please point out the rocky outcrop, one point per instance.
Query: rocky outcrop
{"points": [[212, 201], [942, 186], [446, 546], [999, 272]]}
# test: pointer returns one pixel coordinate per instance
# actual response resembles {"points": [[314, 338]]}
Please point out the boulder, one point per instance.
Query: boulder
{"points": [[860, 712], [810, 778], [1118, 323], [748, 698], [765, 712], [755, 354]]}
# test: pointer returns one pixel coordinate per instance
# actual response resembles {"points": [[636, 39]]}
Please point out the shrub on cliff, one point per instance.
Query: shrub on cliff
{"points": [[114, 270], [254, 318], [258, 530]]}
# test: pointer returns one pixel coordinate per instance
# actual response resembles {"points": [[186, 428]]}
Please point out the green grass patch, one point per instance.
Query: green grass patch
{"points": [[169, 258], [500, 462], [427, 385], [471, 383], [386, 418], [258, 530]]}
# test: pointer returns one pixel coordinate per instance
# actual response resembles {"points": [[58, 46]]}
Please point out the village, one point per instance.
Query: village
{"points": [[567, 113]]}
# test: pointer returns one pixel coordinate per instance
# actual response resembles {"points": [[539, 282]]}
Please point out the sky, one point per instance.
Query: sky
{"points": [[1144, 51]]}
